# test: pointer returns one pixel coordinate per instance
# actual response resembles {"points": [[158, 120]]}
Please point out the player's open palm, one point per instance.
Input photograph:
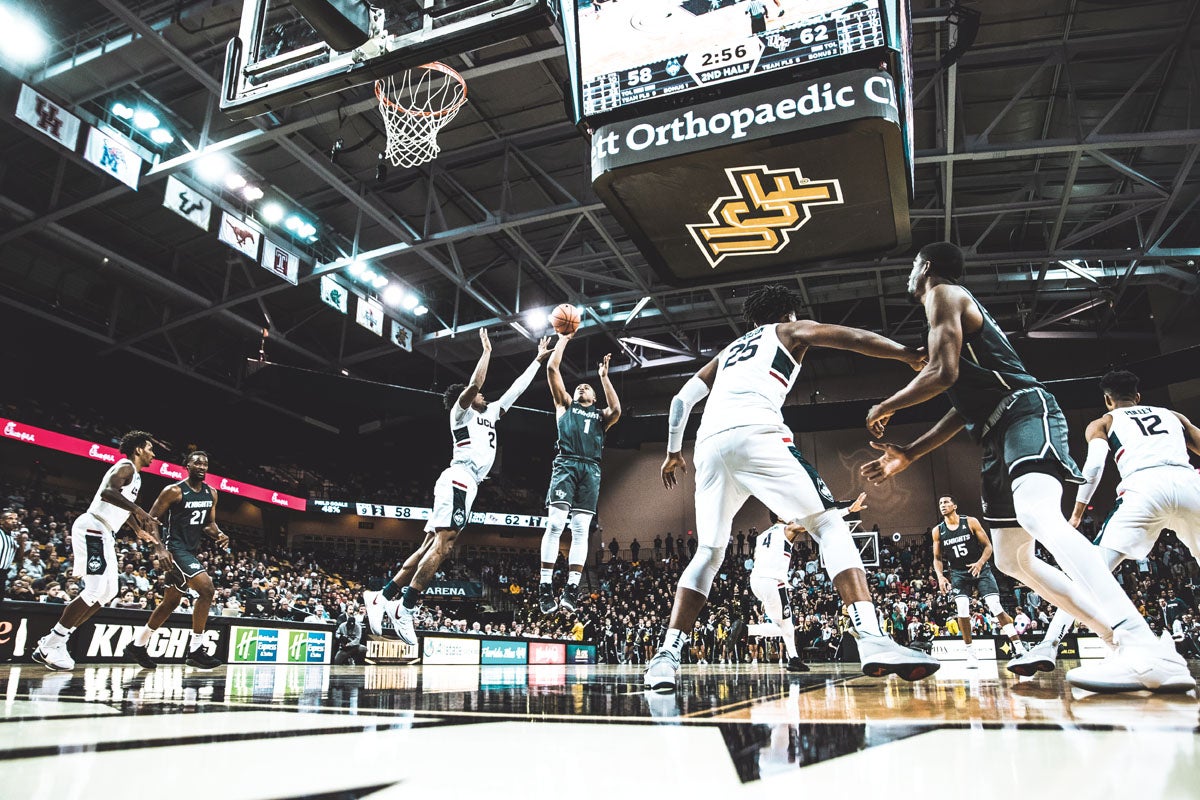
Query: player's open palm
{"points": [[674, 461], [484, 340], [603, 368], [893, 461]]}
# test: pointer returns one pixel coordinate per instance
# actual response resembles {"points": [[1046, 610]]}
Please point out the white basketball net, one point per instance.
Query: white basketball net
{"points": [[415, 105]]}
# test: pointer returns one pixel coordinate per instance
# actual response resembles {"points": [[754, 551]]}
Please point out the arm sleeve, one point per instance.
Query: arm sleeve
{"points": [[682, 403], [1093, 468], [519, 386]]}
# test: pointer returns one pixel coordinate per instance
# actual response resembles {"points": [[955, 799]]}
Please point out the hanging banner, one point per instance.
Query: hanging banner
{"points": [[111, 154], [334, 294], [187, 202], [369, 314], [240, 234], [401, 336], [48, 118], [281, 262]]}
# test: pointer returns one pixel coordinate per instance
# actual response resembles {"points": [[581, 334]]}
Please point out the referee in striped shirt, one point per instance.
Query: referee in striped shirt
{"points": [[10, 523]]}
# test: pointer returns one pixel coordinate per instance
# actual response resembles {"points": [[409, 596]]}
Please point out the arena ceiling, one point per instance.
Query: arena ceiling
{"points": [[1060, 150]]}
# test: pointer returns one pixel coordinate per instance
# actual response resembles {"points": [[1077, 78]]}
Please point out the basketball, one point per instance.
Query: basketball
{"points": [[565, 318]]}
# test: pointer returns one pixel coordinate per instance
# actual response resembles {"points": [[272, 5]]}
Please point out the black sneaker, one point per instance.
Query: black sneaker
{"points": [[140, 655], [202, 660], [546, 601], [570, 598], [796, 665]]}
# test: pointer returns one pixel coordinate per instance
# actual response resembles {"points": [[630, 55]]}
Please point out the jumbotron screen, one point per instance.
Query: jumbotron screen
{"points": [[636, 50]]}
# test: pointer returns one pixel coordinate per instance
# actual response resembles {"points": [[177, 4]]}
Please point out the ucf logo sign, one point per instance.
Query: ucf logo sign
{"points": [[767, 206]]}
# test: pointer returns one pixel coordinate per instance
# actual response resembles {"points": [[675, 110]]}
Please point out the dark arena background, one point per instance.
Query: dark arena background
{"points": [[218, 230]]}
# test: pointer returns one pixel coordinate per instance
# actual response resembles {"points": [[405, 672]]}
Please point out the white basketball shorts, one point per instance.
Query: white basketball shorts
{"points": [[453, 496], [94, 559], [753, 461], [1148, 501]]}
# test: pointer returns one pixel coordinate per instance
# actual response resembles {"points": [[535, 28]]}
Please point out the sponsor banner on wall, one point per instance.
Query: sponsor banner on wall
{"points": [[498, 651], [1091, 647], [447, 650], [114, 155], [465, 590], [953, 648], [187, 202], [581, 654], [240, 234], [29, 434], [334, 294], [279, 646], [547, 653], [282, 263], [47, 117], [390, 651]]}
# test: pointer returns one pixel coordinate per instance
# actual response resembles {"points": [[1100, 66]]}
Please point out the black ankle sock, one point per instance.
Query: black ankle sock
{"points": [[410, 597]]}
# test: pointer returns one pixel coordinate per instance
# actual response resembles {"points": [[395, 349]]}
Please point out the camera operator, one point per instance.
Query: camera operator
{"points": [[349, 639]]}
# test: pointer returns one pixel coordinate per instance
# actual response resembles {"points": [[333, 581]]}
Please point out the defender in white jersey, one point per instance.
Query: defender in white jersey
{"points": [[1159, 489], [93, 549], [473, 431], [743, 448], [769, 576]]}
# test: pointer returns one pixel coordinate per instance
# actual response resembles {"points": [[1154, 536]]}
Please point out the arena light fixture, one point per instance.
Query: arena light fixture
{"points": [[23, 41], [420, 311], [293, 223], [252, 193], [394, 295], [272, 213], [537, 319], [356, 268], [161, 136], [145, 119], [379, 282], [212, 167], [307, 230], [605, 305], [122, 111], [410, 302], [369, 275], [234, 181]]}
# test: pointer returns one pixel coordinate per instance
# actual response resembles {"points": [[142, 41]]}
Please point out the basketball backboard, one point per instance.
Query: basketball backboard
{"points": [[278, 59]]}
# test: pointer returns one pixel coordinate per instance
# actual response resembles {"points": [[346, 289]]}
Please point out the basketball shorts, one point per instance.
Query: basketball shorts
{"points": [[453, 496], [576, 483], [185, 565], [963, 582], [753, 461], [1148, 501], [1030, 436], [94, 559], [773, 594]]}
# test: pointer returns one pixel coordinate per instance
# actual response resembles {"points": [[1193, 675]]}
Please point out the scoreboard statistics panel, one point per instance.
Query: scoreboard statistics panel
{"points": [[630, 51]]}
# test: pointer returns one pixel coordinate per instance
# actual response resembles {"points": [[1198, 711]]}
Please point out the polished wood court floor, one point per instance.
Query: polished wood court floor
{"points": [[255, 732]]}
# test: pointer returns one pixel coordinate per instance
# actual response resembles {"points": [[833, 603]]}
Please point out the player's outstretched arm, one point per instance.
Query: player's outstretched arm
{"points": [[480, 374], [1093, 467], [808, 333], [166, 498], [692, 392], [558, 389], [896, 457], [525, 378], [613, 412], [1191, 433], [944, 307]]}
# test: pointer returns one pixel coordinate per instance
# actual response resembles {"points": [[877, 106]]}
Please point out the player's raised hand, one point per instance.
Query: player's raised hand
{"points": [[674, 461], [544, 349], [484, 340], [859, 503], [603, 368], [893, 461], [877, 421]]}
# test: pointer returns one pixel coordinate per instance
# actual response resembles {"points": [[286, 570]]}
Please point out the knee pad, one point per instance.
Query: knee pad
{"points": [[962, 606], [993, 604], [556, 520], [830, 531], [581, 522], [698, 575]]}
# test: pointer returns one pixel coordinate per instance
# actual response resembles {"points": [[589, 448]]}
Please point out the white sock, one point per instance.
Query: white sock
{"points": [[58, 635], [1010, 631], [789, 637], [864, 618], [675, 641], [573, 578], [547, 575], [196, 643], [1059, 625], [142, 637]]}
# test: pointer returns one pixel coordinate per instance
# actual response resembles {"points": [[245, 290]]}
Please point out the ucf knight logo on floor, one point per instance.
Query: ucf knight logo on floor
{"points": [[767, 205]]}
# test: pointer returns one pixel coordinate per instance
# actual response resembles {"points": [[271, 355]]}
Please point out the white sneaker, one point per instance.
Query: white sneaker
{"points": [[881, 656], [662, 672], [1042, 657], [405, 629], [374, 601], [1132, 668], [53, 656], [972, 659]]}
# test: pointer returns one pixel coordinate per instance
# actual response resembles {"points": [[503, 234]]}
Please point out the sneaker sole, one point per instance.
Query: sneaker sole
{"points": [[205, 667], [908, 672], [661, 686], [548, 609], [39, 658], [1030, 668], [796, 669]]}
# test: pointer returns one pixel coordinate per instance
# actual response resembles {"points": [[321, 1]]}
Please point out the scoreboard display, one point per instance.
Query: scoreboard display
{"points": [[630, 51]]}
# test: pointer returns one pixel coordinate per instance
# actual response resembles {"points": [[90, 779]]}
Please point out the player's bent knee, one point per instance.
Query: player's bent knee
{"points": [[830, 531], [993, 604], [962, 606], [700, 572]]}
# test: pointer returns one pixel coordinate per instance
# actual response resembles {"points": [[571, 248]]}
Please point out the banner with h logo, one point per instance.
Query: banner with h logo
{"points": [[47, 118]]}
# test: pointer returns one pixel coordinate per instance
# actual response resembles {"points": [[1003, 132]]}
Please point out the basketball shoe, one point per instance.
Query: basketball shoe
{"points": [[570, 598], [796, 665], [53, 656], [881, 656], [200, 659], [1042, 657], [403, 620], [662, 672], [140, 656], [547, 602], [375, 603], [1131, 668]]}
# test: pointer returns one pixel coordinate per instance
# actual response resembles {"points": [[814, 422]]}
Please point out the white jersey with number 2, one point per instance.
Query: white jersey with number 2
{"points": [[474, 436], [755, 372]]}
